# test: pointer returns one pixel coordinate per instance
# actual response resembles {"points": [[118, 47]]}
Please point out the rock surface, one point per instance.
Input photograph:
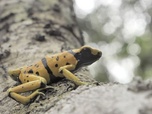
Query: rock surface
{"points": [[29, 30], [103, 99]]}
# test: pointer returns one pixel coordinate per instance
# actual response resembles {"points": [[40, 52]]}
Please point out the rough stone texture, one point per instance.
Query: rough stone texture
{"points": [[103, 99], [30, 29]]}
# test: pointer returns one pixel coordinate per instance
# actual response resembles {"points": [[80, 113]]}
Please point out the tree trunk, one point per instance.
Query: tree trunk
{"points": [[29, 30]]}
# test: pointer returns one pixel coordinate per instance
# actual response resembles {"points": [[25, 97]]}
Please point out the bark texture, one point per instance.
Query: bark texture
{"points": [[30, 29]]}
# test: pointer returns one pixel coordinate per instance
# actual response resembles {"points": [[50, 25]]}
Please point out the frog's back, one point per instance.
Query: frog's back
{"points": [[48, 67]]}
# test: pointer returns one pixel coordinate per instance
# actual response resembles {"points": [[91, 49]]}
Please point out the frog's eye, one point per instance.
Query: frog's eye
{"points": [[86, 49], [86, 52], [79, 54]]}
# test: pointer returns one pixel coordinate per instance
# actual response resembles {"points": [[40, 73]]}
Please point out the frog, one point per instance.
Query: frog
{"points": [[50, 69]]}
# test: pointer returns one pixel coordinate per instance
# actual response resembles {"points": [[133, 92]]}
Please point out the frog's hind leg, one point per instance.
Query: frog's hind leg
{"points": [[33, 82]]}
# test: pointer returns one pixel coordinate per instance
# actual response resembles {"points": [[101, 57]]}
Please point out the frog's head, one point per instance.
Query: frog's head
{"points": [[87, 55]]}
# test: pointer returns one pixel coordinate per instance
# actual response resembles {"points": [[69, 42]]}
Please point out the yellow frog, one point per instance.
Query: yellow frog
{"points": [[50, 69]]}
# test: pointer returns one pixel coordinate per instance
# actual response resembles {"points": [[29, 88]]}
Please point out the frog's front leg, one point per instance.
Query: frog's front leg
{"points": [[65, 70], [33, 83]]}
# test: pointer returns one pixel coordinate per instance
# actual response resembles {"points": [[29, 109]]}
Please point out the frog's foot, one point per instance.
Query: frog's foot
{"points": [[25, 99], [51, 87], [47, 87], [82, 83]]}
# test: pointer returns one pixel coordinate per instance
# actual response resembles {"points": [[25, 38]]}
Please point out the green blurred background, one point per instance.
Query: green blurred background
{"points": [[121, 29]]}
